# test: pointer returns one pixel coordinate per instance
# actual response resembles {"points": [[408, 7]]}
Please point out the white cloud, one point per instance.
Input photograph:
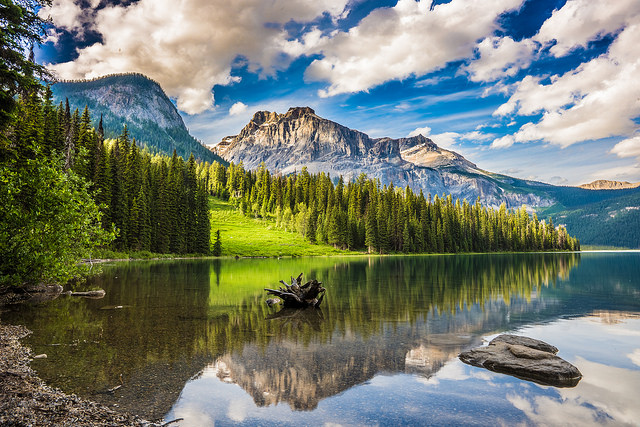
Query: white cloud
{"points": [[580, 21], [443, 140], [187, 46], [477, 136], [237, 108], [66, 14], [598, 99], [500, 57], [407, 39], [629, 147], [503, 142], [635, 356], [424, 131]]}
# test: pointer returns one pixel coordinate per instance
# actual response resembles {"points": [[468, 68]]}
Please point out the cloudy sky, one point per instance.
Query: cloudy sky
{"points": [[539, 89]]}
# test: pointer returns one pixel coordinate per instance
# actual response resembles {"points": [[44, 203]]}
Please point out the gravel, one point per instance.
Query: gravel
{"points": [[25, 399]]}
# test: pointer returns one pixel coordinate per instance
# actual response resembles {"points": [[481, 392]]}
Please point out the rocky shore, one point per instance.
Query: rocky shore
{"points": [[25, 400]]}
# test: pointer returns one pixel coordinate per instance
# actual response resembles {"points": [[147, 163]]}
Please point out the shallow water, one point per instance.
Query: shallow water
{"points": [[193, 339]]}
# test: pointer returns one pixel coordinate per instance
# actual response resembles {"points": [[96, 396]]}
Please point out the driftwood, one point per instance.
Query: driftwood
{"points": [[297, 295]]}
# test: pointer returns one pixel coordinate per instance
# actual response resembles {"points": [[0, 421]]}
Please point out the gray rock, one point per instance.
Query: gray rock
{"points": [[525, 358], [525, 341], [300, 138]]}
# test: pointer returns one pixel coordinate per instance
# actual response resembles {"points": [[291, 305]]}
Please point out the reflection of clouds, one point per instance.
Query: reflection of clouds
{"points": [[544, 410], [455, 370], [193, 415], [237, 410], [605, 396], [635, 356]]}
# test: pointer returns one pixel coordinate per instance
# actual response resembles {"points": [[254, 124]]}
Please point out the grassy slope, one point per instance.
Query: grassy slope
{"points": [[245, 236]]}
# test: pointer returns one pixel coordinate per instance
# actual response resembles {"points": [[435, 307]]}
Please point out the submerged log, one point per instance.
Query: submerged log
{"points": [[96, 294], [297, 295]]}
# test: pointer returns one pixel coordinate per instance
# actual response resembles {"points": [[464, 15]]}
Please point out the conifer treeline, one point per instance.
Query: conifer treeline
{"points": [[156, 203], [365, 215]]}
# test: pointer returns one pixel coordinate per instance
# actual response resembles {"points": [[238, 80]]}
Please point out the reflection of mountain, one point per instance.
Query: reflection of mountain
{"points": [[303, 373], [381, 315]]}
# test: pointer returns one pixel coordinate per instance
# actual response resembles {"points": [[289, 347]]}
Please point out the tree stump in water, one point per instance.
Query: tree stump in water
{"points": [[298, 295]]}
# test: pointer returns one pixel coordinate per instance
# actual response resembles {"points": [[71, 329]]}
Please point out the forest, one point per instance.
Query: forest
{"points": [[67, 191], [365, 215]]}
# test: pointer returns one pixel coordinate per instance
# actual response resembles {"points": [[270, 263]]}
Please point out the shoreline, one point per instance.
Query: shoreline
{"points": [[25, 399]]}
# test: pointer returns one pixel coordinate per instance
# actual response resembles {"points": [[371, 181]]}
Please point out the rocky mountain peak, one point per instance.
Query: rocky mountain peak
{"points": [[300, 138], [298, 112]]}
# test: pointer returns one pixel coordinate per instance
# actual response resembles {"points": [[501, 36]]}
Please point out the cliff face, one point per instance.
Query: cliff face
{"points": [[300, 138], [141, 104]]}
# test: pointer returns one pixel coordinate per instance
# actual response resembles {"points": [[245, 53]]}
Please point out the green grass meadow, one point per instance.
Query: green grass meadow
{"points": [[244, 236]]}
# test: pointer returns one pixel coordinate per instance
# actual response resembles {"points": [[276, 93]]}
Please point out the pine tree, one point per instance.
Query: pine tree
{"points": [[217, 245]]}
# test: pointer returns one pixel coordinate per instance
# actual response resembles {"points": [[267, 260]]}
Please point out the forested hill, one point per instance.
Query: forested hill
{"points": [[141, 104]]}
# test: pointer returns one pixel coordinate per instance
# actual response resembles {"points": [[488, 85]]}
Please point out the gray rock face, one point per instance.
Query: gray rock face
{"points": [[138, 102], [300, 138], [525, 358]]}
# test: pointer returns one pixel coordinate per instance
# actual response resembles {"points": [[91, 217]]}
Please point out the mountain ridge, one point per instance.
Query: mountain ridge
{"points": [[300, 138], [140, 103]]}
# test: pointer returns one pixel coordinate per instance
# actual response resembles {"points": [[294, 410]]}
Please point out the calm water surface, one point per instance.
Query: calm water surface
{"points": [[195, 340]]}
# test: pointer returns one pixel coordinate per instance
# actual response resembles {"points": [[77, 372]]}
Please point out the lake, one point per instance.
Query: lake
{"points": [[194, 339]]}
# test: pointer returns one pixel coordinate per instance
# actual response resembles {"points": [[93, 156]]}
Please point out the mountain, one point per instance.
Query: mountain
{"points": [[300, 138], [138, 102], [603, 184]]}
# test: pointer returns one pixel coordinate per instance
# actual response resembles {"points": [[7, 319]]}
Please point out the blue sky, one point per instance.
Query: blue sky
{"points": [[539, 89]]}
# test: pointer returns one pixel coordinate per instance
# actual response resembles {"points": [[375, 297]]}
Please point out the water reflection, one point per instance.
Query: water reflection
{"points": [[206, 321]]}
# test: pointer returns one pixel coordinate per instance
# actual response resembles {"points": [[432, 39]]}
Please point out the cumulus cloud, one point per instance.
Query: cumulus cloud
{"points": [[580, 21], [444, 139], [65, 14], [629, 147], [503, 142], [477, 136], [187, 46], [598, 99], [237, 108], [408, 39], [500, 57], [424, 131]]}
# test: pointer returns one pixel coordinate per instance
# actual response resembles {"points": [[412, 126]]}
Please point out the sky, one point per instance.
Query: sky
{"points": [[537, 89]]}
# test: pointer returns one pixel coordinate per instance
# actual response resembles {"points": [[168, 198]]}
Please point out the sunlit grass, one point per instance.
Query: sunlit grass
{"points": [[244, 236]]}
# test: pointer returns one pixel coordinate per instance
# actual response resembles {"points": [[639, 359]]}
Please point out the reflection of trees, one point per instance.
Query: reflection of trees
{"points": [[150, 341], [380, 315]]}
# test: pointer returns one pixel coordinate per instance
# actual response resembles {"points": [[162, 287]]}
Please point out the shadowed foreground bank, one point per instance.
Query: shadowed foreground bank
{"points": [[26, 400]]}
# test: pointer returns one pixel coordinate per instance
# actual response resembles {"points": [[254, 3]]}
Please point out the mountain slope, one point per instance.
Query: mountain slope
{"points": [[300, 138], [141, 104]]}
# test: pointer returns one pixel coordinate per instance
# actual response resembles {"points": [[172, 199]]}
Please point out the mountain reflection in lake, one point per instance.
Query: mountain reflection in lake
{"points": [[195, 340]]}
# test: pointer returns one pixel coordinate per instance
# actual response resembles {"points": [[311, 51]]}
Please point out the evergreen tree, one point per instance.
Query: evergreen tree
{"points": [[217, 245]]}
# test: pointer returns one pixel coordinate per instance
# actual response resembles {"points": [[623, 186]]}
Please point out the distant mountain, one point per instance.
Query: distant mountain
{"points": [[603, 184], [141, 104], [300, 138]]}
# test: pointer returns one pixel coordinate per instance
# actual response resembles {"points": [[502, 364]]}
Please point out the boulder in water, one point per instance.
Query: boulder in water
{"points": [[525, 358]]}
